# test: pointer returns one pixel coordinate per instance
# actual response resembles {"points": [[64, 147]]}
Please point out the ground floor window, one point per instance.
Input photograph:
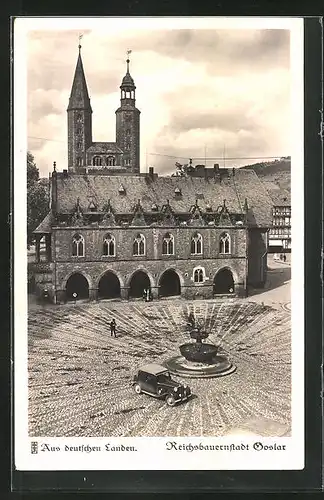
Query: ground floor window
{"points": [[198, 275]]}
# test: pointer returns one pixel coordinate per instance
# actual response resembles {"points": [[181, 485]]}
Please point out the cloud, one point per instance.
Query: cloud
{"points": [[195, 89]]}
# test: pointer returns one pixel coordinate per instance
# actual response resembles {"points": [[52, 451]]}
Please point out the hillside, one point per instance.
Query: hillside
{"points": [[277, 171]]}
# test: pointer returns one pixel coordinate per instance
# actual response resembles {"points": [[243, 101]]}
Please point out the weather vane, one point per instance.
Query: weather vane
{"points": [[80, 38], [128, 52]]}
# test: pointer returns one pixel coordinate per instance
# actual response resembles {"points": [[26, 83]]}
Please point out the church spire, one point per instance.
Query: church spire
{"points": [[79, 119], [79, 97]]}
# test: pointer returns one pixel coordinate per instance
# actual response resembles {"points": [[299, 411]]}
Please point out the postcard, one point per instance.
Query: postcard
{"points": [[158, 244]]}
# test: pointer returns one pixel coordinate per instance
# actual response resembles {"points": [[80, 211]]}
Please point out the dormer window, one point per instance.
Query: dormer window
{"points": [[154, 207], [208, 208], [121, 189], [92, 206], [177, 191]]}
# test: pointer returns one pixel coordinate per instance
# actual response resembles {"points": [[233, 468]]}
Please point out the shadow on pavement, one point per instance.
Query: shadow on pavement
{"points": [[276, 277]]}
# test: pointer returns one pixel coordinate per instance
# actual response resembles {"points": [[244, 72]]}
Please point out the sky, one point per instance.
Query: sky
{"points": [[201, 92]]}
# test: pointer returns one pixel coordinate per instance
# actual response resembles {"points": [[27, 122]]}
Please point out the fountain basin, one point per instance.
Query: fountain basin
{"points": [[219, 366], [199, 352]]}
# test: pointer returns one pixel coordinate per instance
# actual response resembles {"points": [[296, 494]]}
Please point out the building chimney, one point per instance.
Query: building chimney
{"points": [[53, 189], [151, 173]]}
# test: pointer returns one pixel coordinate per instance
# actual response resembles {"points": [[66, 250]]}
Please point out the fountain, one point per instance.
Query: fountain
{"points": [[199, 359]]}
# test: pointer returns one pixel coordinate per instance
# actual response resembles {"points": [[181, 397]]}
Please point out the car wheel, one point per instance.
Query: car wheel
{"points": [[137, 389], [170, 401]]}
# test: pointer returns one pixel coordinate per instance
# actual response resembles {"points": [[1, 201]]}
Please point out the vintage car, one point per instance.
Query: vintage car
{"points": [[156, 381]]}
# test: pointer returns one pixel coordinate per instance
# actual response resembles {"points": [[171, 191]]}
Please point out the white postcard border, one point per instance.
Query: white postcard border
{"points": [[153, 453]]}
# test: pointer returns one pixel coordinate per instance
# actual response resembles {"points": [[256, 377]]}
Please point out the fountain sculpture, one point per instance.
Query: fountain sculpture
{"points": [[199, 359]]}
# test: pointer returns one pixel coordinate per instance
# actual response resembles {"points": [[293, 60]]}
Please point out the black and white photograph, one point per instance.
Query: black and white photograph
{"points": [[158, 177]]}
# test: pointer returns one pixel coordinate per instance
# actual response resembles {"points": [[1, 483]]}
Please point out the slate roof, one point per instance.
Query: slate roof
{"points": [[104, 147], [127, 81], [46, 224], [79, 97], [245, 184], [280, 197]]}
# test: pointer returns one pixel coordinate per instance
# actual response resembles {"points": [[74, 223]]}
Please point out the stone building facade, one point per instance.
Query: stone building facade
{"points": [[83, 153], [113, 232]]}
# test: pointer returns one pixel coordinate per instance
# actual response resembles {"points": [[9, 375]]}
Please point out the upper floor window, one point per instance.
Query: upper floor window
{"points": [[196, 244], [127, 147], [79, 117], [97, 161], [78, 246], [110, 161], [109, 246], [79, 162], [225, 243], [127, 161], [128, 132], [168, 244], [198, 275], [139, 245]]}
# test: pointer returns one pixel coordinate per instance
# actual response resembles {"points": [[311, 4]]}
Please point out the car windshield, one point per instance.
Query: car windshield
{"points": [[164, 377]]}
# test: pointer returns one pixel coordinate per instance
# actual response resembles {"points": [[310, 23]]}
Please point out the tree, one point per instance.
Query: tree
{"points": [[37, 198]]}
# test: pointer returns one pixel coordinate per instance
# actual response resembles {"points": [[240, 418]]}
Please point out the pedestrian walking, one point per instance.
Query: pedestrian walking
{"points": [[113, 328], [284, 257], [191, 319]]}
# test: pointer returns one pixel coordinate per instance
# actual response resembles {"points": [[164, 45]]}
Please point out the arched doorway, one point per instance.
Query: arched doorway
{"points": [[169, 284], [78, 284], [109, 286], [224, 282], [138, 283]]}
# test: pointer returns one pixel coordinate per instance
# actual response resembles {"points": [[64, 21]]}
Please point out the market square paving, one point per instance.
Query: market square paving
{"points": [[80, 376]]}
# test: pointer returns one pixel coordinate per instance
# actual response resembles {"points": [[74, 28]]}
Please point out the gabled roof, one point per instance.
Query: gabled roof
{"points": [[45, 227], [104, 147], [233, 189]]}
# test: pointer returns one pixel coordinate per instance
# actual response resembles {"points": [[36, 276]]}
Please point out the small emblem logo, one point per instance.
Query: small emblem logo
{"points": [[33, 447]]}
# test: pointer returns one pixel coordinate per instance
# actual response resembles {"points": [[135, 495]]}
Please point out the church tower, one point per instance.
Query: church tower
{"points": [[128, 124], [79, 120]]}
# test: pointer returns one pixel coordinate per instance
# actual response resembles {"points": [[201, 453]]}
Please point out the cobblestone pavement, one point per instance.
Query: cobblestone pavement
{"points": [[79, 376]]}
